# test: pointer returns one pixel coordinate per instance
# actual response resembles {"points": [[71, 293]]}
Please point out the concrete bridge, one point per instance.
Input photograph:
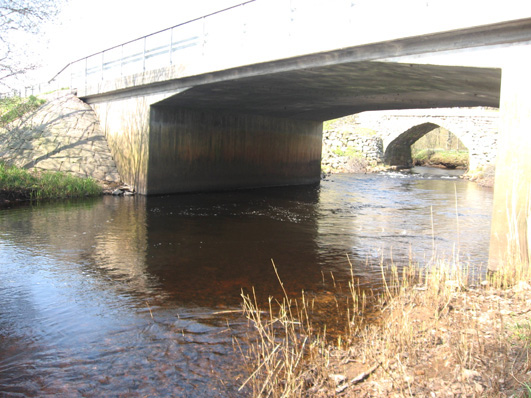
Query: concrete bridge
{"points": [[237, 99], [477, 128]]}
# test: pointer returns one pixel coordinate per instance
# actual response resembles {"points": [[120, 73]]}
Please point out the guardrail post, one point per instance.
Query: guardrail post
{"points": [[144, 56], [171, 45], [122, 61], [86, 76], [71, 77], [244, 28], [204, 37]]}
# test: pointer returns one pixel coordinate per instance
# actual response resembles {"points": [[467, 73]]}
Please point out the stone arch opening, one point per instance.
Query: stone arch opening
{"points": [[399, 151]]}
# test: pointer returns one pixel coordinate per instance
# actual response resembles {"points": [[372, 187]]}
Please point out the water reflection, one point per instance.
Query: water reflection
{"points": [[133, 295], [224, 242]]}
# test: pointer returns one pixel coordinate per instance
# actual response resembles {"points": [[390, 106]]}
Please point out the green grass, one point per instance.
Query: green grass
{"points": [[16, 107], [527, 391], [349, 152], [451, 158], [16, 183], [522, 332]]}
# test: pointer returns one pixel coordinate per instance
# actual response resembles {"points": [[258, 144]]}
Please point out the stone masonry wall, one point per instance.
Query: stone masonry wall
{"points": [[62, 135], [338, 143]]}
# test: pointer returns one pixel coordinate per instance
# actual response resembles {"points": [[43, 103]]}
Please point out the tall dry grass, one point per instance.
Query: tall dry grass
{"points": [[431, 334], [285, 351], [515, 265], [440, 331], [288, 354]]}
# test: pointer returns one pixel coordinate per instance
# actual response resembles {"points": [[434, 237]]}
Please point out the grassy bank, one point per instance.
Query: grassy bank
{"points": [[438, 333], [451, 159], [20, 184]]}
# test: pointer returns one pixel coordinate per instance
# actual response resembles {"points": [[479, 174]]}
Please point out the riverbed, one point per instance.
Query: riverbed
{"points": [[137, 296]]}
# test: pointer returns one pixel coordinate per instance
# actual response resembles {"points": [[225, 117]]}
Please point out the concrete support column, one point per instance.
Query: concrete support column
{"points": [[510, 235]]}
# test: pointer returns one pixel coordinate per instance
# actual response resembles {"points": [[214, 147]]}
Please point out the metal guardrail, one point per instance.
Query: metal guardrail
{"points": [[249, 27], [31, 90], [252, 28], [148, 52], [256, 31], [156, 50]]}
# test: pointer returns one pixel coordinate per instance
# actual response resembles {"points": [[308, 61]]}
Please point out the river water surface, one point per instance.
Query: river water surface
{"points": [[139, 296]]}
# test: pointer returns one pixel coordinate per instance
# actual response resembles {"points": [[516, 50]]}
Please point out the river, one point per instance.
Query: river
{"points": [[137, 296]]}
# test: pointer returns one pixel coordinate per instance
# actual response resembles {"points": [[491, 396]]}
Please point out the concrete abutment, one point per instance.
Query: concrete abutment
{"points": [[126, 126], [160, 148]]}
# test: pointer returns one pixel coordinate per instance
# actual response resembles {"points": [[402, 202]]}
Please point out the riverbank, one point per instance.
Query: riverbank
{"points": [[448, 159], [436, 335], [484, 177], [19, 185]]}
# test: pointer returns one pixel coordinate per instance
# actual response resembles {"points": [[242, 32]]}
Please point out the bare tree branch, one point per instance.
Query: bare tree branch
{"points": [[16, 17]]}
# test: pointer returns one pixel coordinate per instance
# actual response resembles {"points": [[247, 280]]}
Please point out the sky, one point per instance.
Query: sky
{"points": [[86, 27]]}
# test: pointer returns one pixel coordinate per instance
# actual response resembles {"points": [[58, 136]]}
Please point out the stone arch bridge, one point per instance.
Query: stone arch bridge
{"points": [[477, 128]]}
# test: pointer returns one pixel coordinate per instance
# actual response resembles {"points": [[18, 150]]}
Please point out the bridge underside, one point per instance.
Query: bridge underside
{"points": [[266, 130], [332, 91]]}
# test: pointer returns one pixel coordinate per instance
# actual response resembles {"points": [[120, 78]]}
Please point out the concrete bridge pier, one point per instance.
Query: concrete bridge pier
{"points": [[161, 148], [193, 150], [510, 233]]}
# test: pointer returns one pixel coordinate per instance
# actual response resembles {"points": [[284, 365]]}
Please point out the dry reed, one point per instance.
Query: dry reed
{"points": [[438, 334]]}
